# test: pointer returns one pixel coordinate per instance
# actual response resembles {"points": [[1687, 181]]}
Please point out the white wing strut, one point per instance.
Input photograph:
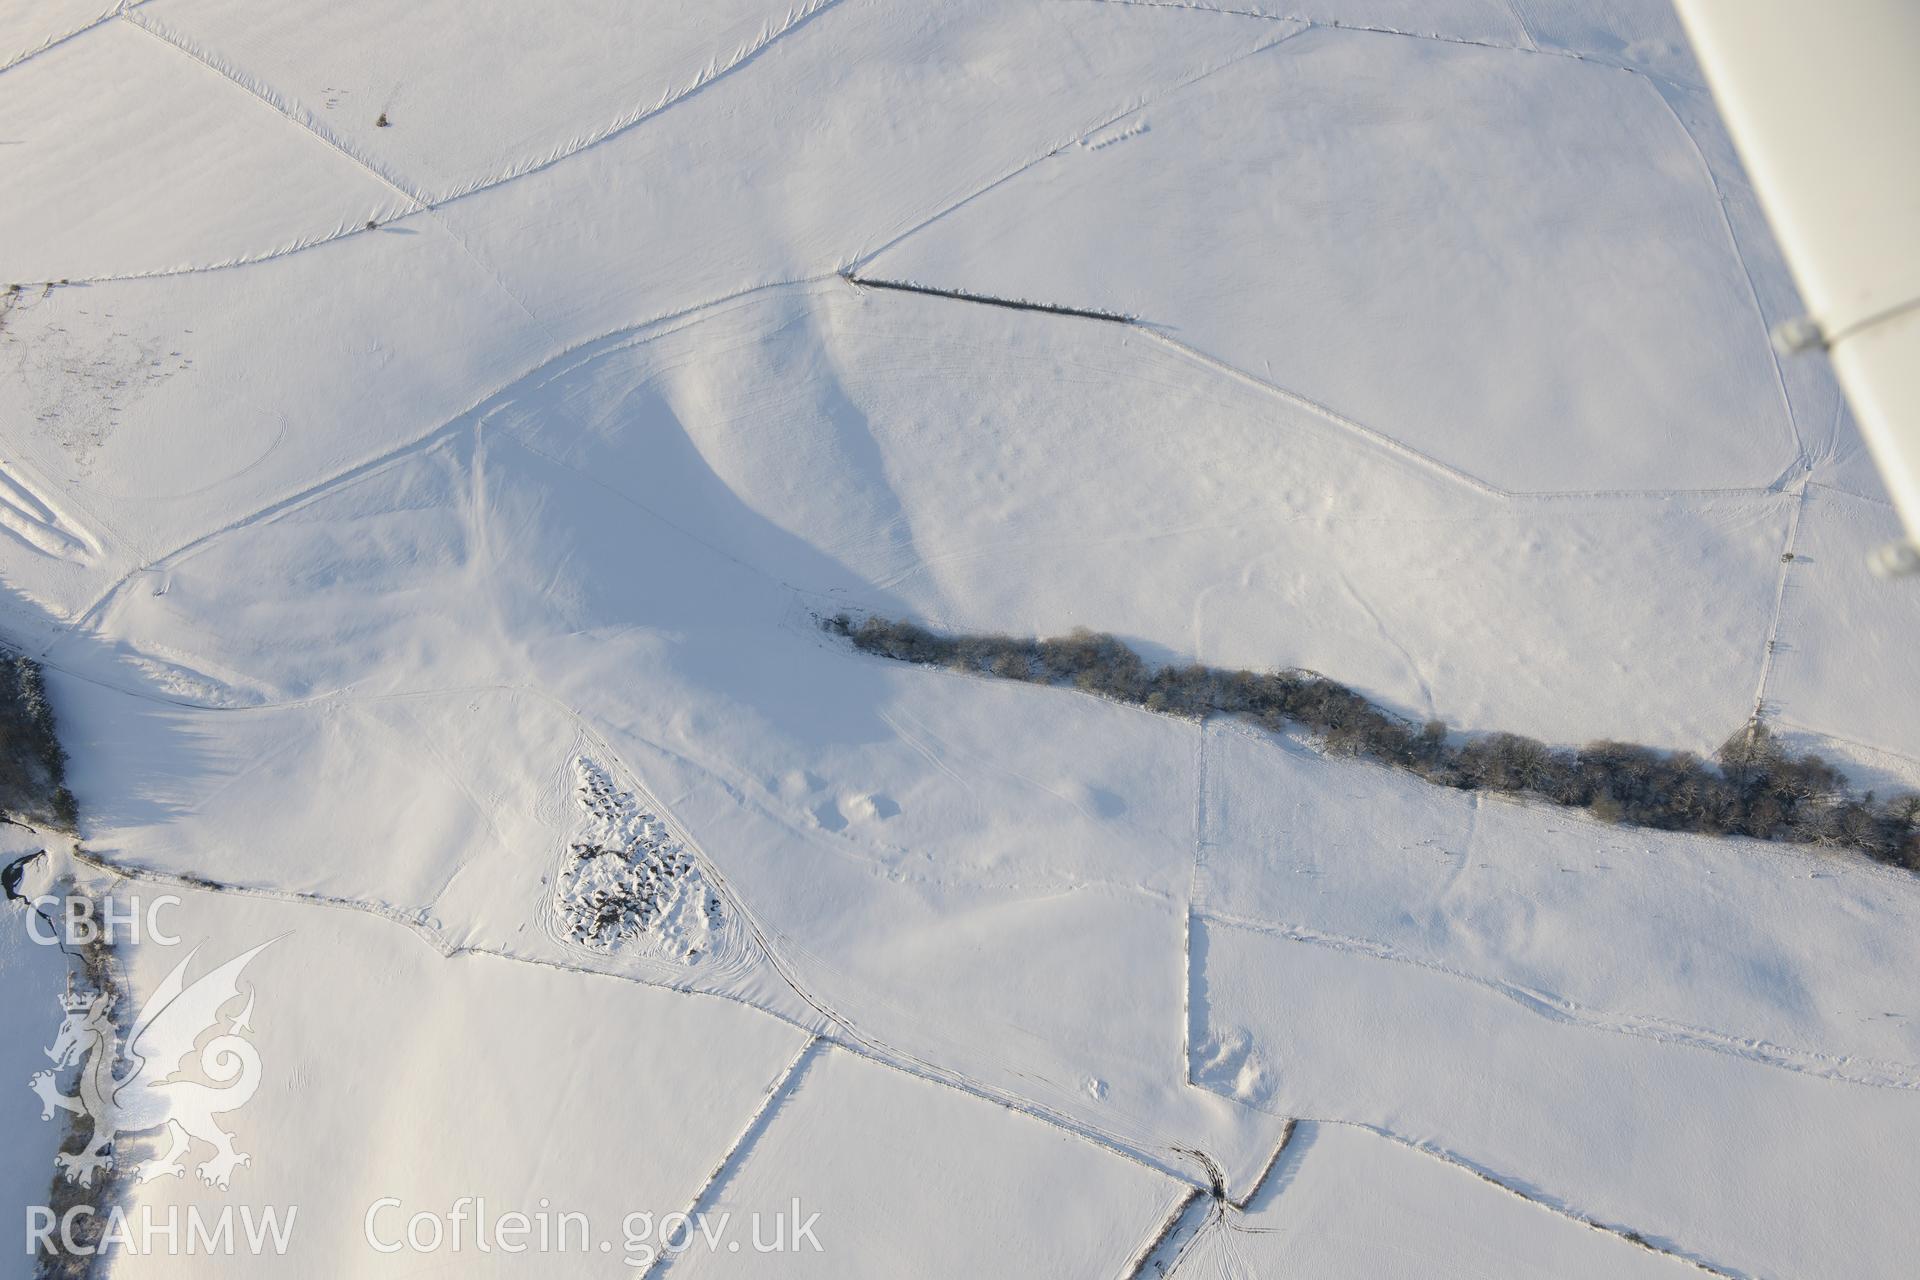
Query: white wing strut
{"points": [[1823, 101]]}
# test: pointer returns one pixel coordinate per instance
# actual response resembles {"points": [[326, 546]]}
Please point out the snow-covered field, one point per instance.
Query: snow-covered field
{"points": [[430, 437], [393, 1073], [1349, 1204], [914, 1179]]}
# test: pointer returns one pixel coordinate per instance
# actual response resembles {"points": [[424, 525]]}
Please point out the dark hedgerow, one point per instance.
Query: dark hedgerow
{"points": [[1753, 787], [33, 765]]}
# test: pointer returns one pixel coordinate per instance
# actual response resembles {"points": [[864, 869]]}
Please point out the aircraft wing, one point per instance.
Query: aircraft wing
{"points": [[1823, 101]]}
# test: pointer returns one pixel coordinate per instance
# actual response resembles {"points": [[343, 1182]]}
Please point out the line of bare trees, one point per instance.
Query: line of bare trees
{"points": [[1755, 786]]}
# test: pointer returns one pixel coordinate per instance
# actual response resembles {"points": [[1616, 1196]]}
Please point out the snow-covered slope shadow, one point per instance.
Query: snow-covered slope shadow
{"points": [[620, 577]]}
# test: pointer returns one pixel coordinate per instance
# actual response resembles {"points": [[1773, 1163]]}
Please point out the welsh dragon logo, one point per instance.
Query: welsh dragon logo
{"points": [[138, 1090]]}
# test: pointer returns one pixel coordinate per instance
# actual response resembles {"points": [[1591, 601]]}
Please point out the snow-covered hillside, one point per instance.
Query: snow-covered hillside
{"points": [[429, 439]]}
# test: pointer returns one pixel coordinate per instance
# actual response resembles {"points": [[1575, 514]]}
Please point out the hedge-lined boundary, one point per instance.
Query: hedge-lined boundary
{"points": [[1753, 787], [987, 300], [33, 765]]}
